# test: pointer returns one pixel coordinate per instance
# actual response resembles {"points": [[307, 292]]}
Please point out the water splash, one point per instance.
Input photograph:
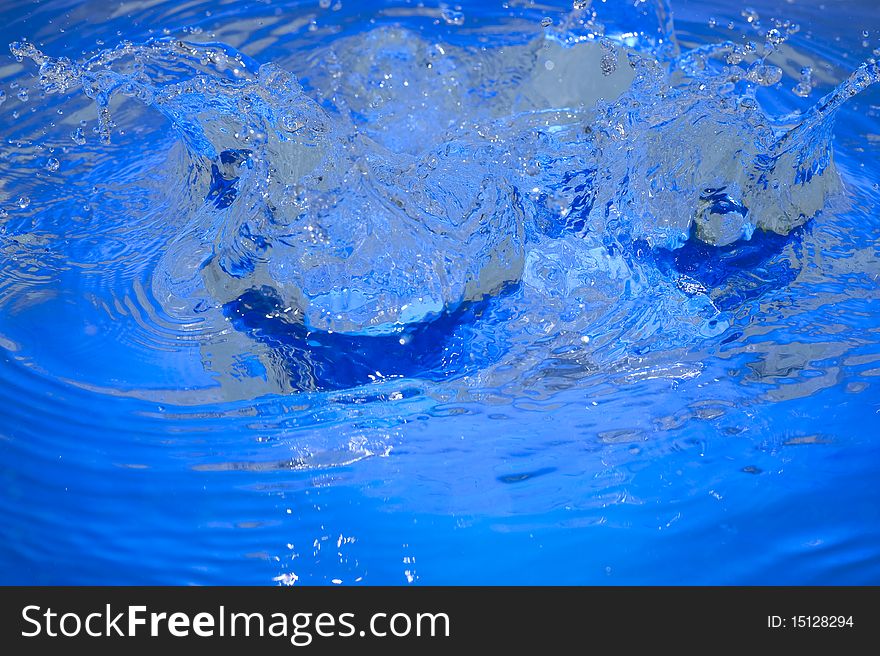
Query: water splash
{"points": [[316, 202], [615, 382]]}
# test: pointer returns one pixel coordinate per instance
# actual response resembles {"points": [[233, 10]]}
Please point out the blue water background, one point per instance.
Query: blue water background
{"points": [[749, 458]]}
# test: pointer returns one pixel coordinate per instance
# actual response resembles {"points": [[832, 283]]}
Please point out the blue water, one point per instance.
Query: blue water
{"points": [[413, 293]]}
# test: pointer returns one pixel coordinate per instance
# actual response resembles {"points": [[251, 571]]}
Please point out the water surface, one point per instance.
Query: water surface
{"points": [[390, 293]]}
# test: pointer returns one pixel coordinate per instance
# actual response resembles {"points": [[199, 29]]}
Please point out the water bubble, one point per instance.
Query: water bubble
{"points": [[451, 16], [713, 22], [580, 4], [23, 95], [52, 164], [79, 137], [23, 202], [546, 21], [324, 4], [2, 96]]}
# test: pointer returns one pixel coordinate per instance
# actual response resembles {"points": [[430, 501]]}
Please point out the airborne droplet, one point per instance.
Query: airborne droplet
{"points": [[764, 74], [79, 137], [451, 16]]}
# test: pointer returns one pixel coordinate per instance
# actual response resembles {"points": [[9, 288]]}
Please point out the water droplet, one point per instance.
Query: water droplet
{"points": [[713, 22], [735, 56], [608, 64], [324, 4], [79, 137], [546, 21], [764, 74], [2, 96], [805, 83], [581, 4], [53, 164], [23, 202], [451, 16], [609, 57], [774, 37], [750, 15], [23, 95]]}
